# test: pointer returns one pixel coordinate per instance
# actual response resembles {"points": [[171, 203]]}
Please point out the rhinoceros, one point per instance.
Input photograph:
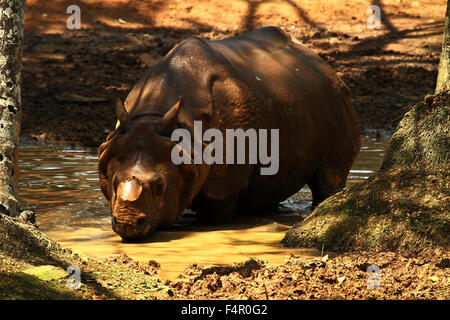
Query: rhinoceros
{"points": [[262, 80]]}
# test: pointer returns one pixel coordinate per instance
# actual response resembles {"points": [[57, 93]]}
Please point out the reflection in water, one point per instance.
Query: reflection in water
{"points": [[61, 185]]}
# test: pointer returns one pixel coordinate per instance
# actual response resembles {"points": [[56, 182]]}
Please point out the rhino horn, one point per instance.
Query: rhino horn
{"points": [[129, 190]]}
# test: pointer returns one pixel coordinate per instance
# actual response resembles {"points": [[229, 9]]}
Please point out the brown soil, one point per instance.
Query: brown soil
{"points": [[71, 77], [425, 276]]}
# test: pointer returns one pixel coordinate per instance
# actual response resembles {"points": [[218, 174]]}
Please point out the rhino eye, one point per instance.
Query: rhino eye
{"points": [[158, 187], [124, 128]]}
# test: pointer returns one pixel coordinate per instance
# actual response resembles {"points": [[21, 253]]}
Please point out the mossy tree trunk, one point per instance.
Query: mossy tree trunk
{"points": [[11, 34], [443, 80]]}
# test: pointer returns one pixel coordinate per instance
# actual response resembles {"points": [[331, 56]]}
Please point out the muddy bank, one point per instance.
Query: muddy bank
{"points": [[32, 266], [396, 276], [425, 276]]}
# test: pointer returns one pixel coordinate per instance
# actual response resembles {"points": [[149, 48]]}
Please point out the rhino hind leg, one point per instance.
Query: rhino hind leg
{"points": [[324, 183], [331, 176]]}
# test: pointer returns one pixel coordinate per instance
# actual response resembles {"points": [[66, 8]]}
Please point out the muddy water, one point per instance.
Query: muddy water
{"points": [[61, 185]]}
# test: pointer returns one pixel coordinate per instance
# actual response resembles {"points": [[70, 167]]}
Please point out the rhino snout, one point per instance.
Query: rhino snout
{"points": [[131, 227]]}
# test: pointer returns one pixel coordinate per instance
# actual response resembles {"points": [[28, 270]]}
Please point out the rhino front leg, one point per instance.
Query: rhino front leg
{"points": [[211, 212]]}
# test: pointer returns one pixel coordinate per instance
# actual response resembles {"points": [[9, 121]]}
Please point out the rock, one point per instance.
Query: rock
{"points": [[47, 272], [325, 258], [341, 279]]}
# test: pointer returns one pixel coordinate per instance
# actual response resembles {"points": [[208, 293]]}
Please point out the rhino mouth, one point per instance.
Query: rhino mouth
{"points": [[131, 228]]}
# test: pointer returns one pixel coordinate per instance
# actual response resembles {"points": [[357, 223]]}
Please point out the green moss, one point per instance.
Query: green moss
{"points": [[422, 137], [23, 286], [47, 272]]}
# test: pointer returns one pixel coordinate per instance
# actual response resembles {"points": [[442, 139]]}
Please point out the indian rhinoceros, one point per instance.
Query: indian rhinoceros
{"points": [[261, 80]]}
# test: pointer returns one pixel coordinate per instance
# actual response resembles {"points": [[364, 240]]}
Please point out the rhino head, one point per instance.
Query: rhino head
{"points": [[145, 189]]}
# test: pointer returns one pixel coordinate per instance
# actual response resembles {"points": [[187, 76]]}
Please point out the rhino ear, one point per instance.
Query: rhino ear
{"points": [[171, 116], [121, 112]]}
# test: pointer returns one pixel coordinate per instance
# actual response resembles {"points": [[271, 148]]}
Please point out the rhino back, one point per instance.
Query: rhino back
{"points": [[283, 86]]}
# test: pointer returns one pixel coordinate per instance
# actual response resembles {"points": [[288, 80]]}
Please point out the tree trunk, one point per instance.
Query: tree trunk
{"points": [[11, 45], [443, 79]]}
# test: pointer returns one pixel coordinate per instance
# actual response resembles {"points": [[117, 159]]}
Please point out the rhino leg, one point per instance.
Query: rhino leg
{"points": [[325, 182], [212, 212]]}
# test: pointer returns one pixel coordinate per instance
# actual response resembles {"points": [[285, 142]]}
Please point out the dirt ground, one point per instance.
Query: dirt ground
{"points": [[71, 77], [399, 277]]}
